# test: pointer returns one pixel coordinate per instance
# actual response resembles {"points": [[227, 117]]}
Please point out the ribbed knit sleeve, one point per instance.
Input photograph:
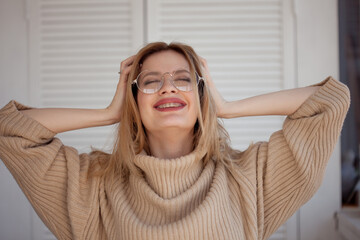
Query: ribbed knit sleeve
{"points": [[291, 165], [48, 173]]}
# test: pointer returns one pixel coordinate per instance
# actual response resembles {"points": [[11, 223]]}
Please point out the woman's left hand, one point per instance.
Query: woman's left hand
{"points": [[284, 102], [220, 102]]}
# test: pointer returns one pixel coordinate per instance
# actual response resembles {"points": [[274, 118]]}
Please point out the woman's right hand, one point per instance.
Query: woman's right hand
{"points": [[220, 102], [67, 119], [114, 109]]}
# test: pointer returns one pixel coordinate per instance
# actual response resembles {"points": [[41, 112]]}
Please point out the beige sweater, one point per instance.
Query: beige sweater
{"points": [[177, 198]]}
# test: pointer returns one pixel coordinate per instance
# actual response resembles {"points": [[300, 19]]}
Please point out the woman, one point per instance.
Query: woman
{"points": [[172, 174]]}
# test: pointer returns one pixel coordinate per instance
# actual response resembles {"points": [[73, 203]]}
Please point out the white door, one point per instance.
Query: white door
{"points": [[249, 46]]}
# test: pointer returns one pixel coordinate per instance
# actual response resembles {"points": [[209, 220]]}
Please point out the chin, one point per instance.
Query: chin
{"points": [[175, 126], [171, 125]]}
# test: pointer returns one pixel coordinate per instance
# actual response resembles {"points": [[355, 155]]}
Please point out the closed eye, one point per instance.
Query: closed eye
{"points": [[183, 80], [154, 81]]}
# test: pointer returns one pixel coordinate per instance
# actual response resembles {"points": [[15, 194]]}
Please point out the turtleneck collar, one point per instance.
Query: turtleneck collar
{"points": [[170, 177]]}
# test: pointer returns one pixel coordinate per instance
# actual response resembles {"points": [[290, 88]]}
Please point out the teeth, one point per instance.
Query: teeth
{"points": [[169, 105]]}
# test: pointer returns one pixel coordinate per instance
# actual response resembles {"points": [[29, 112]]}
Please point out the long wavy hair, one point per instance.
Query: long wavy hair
{"points": [[210, 141]]}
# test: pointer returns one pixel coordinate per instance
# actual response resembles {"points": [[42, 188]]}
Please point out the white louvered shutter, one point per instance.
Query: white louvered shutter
{"points": [[76, 47], [76, 50], [249, 48]]}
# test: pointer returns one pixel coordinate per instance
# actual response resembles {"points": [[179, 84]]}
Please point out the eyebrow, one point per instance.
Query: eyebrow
{"points": [[151, 73], [182, 70], [148, 72]]}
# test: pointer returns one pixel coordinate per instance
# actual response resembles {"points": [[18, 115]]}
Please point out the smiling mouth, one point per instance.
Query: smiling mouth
{"points": [[170, 105]]}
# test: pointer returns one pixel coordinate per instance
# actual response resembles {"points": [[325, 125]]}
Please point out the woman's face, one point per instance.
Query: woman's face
{"points": [[169, 108]]}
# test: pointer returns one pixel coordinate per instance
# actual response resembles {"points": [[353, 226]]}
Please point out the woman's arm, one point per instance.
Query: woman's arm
{"points": [[66, 119], [283, 102], [48, 172], [288, 169]]}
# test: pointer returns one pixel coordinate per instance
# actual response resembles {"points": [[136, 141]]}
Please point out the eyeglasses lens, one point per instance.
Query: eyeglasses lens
{"points": [[151, 82]]}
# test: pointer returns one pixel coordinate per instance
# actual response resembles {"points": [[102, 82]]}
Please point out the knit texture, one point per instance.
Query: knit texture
{"points": [[177, 198]]}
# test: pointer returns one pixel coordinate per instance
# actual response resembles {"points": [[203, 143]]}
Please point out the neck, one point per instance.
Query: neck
{"points": [[170, 144]]}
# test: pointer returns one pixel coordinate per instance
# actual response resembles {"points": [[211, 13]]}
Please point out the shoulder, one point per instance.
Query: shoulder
{"points": [[245, 162]]}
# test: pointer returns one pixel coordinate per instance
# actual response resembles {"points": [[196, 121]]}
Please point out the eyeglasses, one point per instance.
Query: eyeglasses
{"points": [[151, 82]]}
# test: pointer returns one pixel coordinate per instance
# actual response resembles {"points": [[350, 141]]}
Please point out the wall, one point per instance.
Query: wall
{"points": [[14, 207], [317, 27]]}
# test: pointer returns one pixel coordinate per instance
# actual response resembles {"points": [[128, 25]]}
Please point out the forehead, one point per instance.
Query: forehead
{"points": [[165, 61]]}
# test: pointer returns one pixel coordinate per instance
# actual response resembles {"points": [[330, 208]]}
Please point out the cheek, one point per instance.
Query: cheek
{"points": [[194, 107], [141, 101]]}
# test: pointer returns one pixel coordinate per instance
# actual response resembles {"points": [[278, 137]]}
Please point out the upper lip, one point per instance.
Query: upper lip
{"points": [[169, 100]]}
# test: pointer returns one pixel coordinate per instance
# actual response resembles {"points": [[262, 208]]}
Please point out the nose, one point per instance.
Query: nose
{"points": [[167, 86]]}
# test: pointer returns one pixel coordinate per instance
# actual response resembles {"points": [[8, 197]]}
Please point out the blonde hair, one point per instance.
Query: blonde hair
{"points": [[211, 140]]}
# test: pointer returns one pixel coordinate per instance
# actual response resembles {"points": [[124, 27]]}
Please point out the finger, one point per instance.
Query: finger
{"points": [[125, 70], [207, 76], [129, 60], [126, 63], [203, 61], [124, 76], [204, 65]]}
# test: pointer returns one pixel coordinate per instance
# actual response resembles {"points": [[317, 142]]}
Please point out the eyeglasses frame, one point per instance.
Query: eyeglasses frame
{"points": [[198, 79]]}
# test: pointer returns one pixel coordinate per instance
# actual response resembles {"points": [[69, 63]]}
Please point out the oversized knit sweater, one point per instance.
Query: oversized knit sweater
{"points": [[176, 198]]}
